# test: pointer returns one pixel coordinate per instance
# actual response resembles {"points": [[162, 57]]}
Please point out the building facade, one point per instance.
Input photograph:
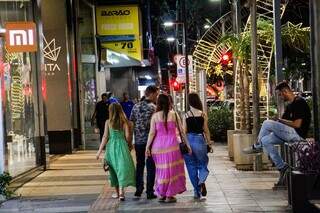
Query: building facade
{"points": [[49, 89], [22, 134]]}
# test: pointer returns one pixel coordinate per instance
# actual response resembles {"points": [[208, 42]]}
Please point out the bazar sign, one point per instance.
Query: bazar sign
{"points": [[118, 20], [115, 13], [21, 37]]}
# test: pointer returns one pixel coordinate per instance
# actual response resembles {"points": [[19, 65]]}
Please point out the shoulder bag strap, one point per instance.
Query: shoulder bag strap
{"points": [[178, 125]]}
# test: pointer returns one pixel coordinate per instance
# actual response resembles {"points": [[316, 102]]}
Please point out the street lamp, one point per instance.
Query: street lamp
{"points": [[185, 53], [206, 26]]}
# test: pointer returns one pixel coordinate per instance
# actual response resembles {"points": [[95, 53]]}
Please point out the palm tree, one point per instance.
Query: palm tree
{"points": [[294, 36], [240, 46]]}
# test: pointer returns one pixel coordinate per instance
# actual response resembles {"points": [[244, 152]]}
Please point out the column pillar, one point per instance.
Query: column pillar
{"points": [[60, 74]]}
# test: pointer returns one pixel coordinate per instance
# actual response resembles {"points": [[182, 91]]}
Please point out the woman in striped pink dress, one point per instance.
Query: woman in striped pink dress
{"points": [[163, 146]]}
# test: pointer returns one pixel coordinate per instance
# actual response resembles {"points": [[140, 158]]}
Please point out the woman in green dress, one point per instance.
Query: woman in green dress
{"points": [[118, 142]]}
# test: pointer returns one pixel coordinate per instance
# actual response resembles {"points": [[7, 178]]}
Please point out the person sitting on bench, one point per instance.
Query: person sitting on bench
{"points": [[292, 127]]}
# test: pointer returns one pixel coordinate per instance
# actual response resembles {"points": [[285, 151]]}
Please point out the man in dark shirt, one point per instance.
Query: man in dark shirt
{"points": [[101, 114], [141, 117], [291, 127], [127, 105]]}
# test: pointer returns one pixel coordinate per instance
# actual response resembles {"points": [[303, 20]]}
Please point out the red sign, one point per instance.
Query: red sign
{"points": [[21, 37]]}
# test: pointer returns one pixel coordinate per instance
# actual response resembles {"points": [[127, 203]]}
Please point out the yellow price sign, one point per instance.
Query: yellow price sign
{"points": [[117, 22], [129, 48]]}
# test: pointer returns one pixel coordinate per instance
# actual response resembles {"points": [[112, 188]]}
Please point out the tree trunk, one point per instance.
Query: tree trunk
{"points": [[278, 50], [246, 96], [241, 98], [254, 70]]}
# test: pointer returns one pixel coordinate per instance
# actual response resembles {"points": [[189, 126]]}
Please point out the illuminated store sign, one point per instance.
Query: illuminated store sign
{"points": [[119, 30], [21, 37], [51, 53]]}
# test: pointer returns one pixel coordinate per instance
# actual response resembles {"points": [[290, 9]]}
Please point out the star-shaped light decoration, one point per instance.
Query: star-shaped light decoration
{"points": [[218, 70]]}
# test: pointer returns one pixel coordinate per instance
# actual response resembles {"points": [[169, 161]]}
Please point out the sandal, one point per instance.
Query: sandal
{"points": [[122, 198], [171, 200], [162, 199], [203, 189], [115, 196]]}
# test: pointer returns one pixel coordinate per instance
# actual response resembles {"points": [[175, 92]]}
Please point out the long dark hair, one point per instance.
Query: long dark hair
{"points": [[194, 101], [163, 104]]}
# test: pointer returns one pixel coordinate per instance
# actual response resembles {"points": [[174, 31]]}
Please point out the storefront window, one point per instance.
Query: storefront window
{"points": [[18, 99], [88, 68]]}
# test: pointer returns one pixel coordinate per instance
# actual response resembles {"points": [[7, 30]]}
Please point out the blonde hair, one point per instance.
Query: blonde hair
{"points": [[117, 118]]}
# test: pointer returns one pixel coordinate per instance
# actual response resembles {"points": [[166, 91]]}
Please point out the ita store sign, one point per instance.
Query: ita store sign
{"points": [[181, 68], [21, 37]]}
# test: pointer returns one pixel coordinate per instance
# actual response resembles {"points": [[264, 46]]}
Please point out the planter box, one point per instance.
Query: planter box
{"points": [[244, 161], [230, 134], [303, 189]]}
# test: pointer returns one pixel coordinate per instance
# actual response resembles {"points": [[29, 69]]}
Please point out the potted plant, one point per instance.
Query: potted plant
{"points": [[220, 119], [5, 179], [304, 179]]}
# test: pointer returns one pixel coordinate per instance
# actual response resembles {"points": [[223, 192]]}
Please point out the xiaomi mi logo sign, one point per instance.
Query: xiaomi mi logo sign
{"points": [[21, 37]]}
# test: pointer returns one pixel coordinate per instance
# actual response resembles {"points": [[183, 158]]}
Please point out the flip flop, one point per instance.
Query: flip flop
{"points": [[162, 199], [122, 198], [114, 196], [171, 200]]}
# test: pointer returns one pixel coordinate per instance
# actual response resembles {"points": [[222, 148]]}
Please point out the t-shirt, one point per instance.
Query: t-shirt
{"points": [[299, 109], [112, 100], [102, 112], [127, 107], [141, 117]]}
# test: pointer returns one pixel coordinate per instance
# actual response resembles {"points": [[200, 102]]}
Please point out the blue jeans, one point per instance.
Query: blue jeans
{"points": [[272, 133], [197, 163]]}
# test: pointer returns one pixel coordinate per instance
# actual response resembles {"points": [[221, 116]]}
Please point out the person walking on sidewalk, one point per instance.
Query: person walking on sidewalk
{"points": [[127, 105], [163, 146], [101, 114], [196, 127], [292, 127], [141, 117], [118, 142]]}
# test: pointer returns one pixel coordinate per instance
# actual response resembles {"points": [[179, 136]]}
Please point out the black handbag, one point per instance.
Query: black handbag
{"points": [[183, 146], [105, 166]]}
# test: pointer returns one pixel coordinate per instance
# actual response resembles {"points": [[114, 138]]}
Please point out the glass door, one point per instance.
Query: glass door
{"points": [[88, 66]]}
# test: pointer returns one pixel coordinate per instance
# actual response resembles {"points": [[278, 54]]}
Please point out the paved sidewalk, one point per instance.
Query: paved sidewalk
{"points": [[76, 183], [229, 190], [72, 184]]}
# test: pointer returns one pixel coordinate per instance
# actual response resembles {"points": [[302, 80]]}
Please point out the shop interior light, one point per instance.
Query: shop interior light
{"points": [[125, 56], [168, 24], [2, 30], [148, 77], [171, 39]]}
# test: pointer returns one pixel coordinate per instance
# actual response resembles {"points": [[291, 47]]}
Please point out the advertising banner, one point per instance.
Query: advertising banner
{"points": [[118, 27]]}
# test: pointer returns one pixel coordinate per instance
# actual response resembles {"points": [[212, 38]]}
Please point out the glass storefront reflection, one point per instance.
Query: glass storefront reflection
{"points": [[88, 71], [19, 100]]}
